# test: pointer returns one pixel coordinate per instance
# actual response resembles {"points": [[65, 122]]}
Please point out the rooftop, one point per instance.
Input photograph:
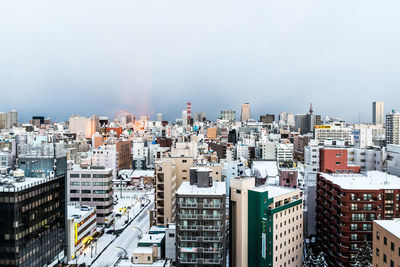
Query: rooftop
{"points": [[218, 188], [274, 191], [392, 226], [372, 180], [76, 211], [8, 184]]}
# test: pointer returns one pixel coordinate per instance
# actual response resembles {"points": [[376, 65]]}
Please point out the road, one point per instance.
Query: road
{"points": [[128, 240]]}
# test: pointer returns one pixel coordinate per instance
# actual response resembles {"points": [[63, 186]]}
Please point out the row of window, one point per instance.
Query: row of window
{"points": [[89, 175], [90, 183]]}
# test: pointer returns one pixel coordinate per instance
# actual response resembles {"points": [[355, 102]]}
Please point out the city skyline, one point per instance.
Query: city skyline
{"points": [[126, 59]]}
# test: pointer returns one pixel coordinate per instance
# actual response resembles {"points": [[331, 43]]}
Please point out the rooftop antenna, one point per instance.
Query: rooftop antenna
{"points": [[359, 118], [311, 109]]}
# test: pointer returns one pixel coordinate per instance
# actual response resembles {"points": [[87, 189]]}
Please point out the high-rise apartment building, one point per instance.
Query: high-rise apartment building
{"points": [[13, 118], [200, 221], [245, 113], [238, 220], [392, 128], [92, 186], [229, 115], [347, 204], [377, 112], [275, 232], [165, 191], [32, 220]]}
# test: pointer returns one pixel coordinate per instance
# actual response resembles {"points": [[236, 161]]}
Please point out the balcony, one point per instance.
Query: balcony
{"points": [[211, 206], [188, 260], [188, 205], [188, 216], [189, 227], [212, 228], [160, 187], [212, 261], [211, 217]]}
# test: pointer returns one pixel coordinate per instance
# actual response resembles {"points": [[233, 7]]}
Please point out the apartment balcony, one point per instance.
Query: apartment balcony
{"points": [[212, 228], [160, 195], [188, 205], [343, 249], [187, 260], [188, 216], [160, 211], [160, 203], [344, 239], [189, 227], [212, 261], [210, 206], [210, 217]]}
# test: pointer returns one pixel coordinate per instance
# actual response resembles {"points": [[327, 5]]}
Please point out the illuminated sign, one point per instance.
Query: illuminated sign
{"points": [[322, 126], [263, 239], [76, 233], [188, 249]]}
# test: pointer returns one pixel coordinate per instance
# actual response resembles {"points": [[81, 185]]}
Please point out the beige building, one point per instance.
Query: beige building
{"points": [[165, 191], [378, 112], [239, 219], [275, 217], [84, 126], [386, 243], [245, 115], [212, 133]]}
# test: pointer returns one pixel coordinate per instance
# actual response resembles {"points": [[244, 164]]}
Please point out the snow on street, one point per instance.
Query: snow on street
{"points": [[128, 205]]}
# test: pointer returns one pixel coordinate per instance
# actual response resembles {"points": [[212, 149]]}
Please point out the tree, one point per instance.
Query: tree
{"points": [[320, 260], [364, 255]]}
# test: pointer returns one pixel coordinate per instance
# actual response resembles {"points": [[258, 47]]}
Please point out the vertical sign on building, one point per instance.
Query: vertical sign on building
{"points": [[263, 239]]}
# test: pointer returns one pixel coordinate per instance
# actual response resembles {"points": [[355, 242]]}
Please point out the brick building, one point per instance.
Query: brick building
{"points": [[346, 206]]}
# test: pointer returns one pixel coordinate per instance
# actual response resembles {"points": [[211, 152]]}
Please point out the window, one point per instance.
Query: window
{"points": [[377, 252], [354, 206], [353, 237], [384, 258], [337, 162], [74, 175], [392, 246], [353, 227], [86, 176], [74, 183], [377, 235], [86, 183], [86, 191], [385, 240], [74, 191]]}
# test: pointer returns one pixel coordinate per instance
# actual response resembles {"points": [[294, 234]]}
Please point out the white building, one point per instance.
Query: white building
{"points": [[377, 112], [392, 128], [333, 132], [81, 226], [268, 150], [84, 126], [284, 153]]}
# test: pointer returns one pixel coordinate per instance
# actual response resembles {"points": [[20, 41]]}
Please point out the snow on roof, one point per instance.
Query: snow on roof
{"points": [[151, 238], [371, 181], [217, 188], [274, 191], [76, 210], [142, 173], [143, 250], [266, 168], [392, 226]]}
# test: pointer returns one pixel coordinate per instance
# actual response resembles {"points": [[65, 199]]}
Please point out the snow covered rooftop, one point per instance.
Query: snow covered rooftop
{"points": [[372, 180], [218, 188], [274, 191], [392, 226], [266, 168]]}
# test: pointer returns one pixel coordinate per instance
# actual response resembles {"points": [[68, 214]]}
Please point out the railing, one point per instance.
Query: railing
{"points": [[188, 216], [215, 217], [189, 227], [211, 205], [188, 205]]}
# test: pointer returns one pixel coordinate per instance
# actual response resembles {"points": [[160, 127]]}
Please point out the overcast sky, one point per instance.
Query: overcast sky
{"points": [[97, 57]]}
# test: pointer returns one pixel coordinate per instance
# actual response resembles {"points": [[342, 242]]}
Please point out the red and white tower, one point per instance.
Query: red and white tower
{"points": [[188, 111]]}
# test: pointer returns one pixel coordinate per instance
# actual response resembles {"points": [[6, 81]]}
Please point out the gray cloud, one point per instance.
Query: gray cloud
{"points": [[92, 57]]}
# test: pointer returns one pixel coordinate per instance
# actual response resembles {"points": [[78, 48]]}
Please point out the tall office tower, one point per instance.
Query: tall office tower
{"points": [[290, 120], [229, 115], [165, 191], [377, 112], [200, 221], [92, 186], [4, 121], [300, 123], [199, 116], [347, 205], [13, 116], [32, 220], [245, 114], [184, 118], [392, 128], [85, 126], [159, 117], [238, 220], [275, 235]]}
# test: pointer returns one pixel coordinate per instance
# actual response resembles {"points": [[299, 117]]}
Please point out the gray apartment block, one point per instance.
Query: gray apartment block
{"points": [[92, 186], [200, 221]]}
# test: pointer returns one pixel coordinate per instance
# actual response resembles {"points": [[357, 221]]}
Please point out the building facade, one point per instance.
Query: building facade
{"points": [[346, 206]]}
